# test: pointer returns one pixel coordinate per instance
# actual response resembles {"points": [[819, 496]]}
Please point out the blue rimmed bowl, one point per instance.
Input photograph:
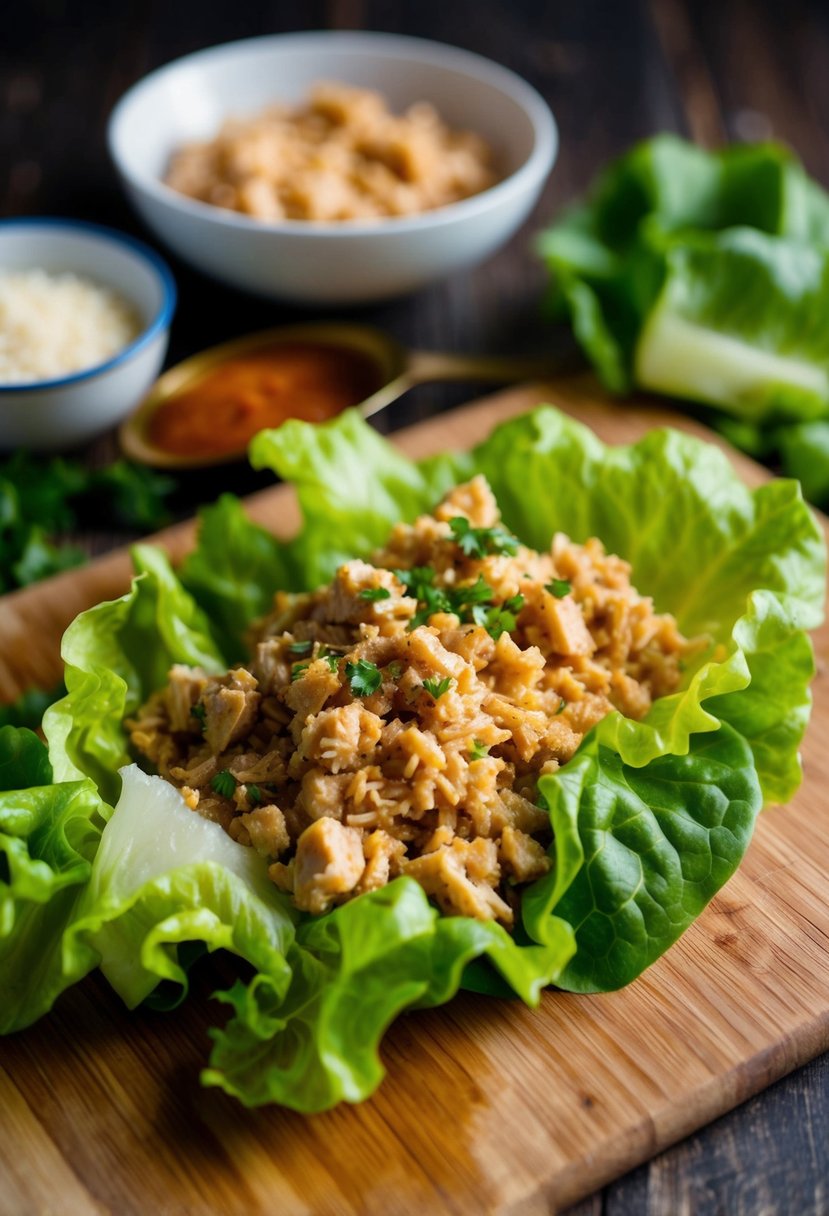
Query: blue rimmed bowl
{"points": [[51, 414]]}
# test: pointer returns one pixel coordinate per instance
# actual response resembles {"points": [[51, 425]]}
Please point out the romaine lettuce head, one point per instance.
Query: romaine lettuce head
{"points": [[650, 818], [703, 275]]}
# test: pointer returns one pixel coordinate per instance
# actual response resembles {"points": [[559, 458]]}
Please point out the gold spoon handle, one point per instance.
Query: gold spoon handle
{"points": [[427, 365]]}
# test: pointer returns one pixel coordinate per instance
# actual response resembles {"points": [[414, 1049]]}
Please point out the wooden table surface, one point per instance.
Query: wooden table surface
{"points": [[613, 72]]}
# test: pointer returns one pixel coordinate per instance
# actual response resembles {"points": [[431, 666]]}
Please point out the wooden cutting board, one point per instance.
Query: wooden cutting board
{"points": [[487, 1106]]}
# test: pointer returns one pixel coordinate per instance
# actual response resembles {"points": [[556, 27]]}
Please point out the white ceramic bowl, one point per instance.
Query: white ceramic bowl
{"points": [[50, 414], [347, 262]]}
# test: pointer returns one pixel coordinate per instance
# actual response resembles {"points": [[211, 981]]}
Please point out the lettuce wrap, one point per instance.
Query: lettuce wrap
{"points": [[649, 818]]}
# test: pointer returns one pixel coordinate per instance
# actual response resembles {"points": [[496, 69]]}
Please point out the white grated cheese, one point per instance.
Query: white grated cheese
{"points": [[52, 325]]}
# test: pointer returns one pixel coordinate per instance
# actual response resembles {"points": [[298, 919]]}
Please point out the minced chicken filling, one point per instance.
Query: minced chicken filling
{"points": [[397, 720]]}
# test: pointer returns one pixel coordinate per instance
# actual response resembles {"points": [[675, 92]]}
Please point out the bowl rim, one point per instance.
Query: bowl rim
{"points": [[160, 322], [534, 168]]}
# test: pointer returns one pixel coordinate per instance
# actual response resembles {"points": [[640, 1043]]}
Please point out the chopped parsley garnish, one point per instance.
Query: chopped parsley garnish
{"points": [[469, 602], [200, 714], [415, 579], [436, 688], [478, 592], [395, 670], [478, 750], [494, 618], [479, 542], [298, 670], [561, 708], [254, 794], [333, 660], [375, 593], [433, 599], [559, 587], [301, 647], [224, 784], [42, 499], [363, 678]]}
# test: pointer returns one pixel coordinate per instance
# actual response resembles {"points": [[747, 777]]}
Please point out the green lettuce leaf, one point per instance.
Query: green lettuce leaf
{"points": [[241, 588], [48, 836], [162, 877], [650, 818], [804, 450], [24, 761], [739, 323], [351, 485], [352, 972], [651, 846], [703, 275], [115, 655]]}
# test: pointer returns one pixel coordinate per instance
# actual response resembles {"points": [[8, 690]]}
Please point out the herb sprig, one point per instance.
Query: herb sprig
{"points": [[472, 602], [436, 688], [363, 677], [40, 499], [559, 587], [482, 542], [224, 784]]}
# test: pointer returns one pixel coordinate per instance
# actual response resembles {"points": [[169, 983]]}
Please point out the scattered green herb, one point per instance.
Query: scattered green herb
{"points": [[254, 794], [301, 647], [561, 708], [333, 661], [478, 750], [200, 714], [436, 688], [224, 784], [395, 670], [500, 621], [495, 618], [469, 602], [363, 678], [298, 671], [559, 587], [479, 542], [461, 597], [131, 494], [421, 587], [41, 499], [416, 578], [375, 593]]}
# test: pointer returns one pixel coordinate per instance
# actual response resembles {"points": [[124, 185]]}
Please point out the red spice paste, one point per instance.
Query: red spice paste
{"points": [[225, 407]]}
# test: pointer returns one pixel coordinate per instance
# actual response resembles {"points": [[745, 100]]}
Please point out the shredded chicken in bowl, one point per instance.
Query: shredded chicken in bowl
{"points": [[397, 720]]}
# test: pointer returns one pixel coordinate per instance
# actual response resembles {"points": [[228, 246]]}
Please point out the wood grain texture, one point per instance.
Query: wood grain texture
{"points": [[613, 71], [487, 1106]]}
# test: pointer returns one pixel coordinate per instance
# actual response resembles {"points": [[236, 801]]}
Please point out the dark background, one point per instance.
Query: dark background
{"points": [[613, 73]]}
